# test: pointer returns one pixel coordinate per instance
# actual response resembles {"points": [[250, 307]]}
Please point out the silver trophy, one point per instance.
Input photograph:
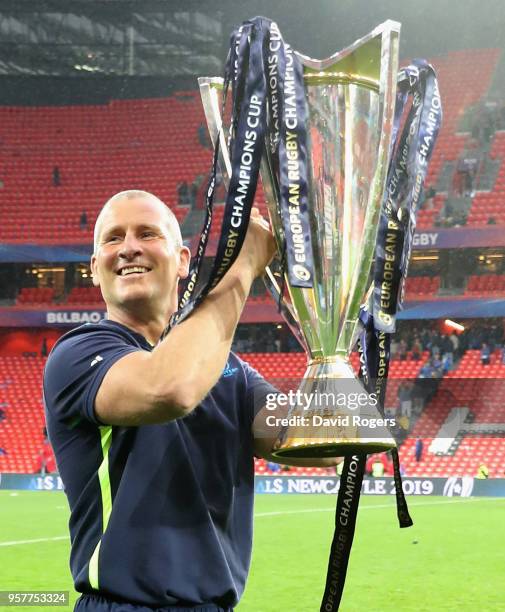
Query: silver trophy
{"points": [[351, 101]]}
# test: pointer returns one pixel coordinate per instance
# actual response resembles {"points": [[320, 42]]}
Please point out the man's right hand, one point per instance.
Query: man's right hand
{"points": [[259, 245]]}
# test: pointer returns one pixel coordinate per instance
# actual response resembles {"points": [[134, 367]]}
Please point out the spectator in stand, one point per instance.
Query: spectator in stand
{"points": [[273, 467], [489, 121], [200, 185], [56, 176], [446, 345], [485, 354], [447, 363], [388, 464], [426, 371], [378, 467], [437, 367], [496, 336], [482, 472], [193, 193], [447, 353], [428, 203], [426, 339], [83, 221], [418, 450], [3, 452], [2, 415], [183, 195], [203, 136], [436, 341], [394, 348], [372, 459], [402, 350], [417, 349], [293, 346], [405, 397], [455, 342], [466, 170]]}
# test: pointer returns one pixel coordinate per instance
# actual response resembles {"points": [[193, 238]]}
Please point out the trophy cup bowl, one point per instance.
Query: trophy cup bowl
{"points": [[351, 101]]}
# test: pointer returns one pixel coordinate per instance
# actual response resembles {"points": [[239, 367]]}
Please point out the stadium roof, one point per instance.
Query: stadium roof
{"points": [[181, 37], [119, 37]]}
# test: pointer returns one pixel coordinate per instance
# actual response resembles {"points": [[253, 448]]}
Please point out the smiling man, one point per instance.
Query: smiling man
{"points": [[155, 440], [142, 286]]}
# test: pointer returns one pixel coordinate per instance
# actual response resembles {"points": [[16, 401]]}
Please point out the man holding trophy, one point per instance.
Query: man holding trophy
{"points": [[157, 436]]}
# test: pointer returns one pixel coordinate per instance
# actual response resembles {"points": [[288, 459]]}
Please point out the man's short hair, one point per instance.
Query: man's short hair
{"points": [[130, 194]]}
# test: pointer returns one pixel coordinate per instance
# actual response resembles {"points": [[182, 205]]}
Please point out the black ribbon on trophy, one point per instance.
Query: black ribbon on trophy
{"points": [[282, 122], [404, 187]]}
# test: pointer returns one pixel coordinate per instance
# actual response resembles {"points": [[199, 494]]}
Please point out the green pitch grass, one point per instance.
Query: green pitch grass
{"points": [[452, 559]]}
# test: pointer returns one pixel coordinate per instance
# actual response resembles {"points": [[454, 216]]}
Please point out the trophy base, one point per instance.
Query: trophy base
{"points": [[302, 450], [342, 426]]}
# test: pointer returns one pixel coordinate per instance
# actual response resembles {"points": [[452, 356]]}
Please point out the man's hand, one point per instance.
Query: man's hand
{"points": [[259, 245], [265, 437]]}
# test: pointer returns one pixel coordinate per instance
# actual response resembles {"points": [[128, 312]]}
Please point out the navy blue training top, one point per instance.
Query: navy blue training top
{"points": [[160, 514]]}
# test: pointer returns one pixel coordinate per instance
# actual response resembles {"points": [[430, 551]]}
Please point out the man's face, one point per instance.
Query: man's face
{"points": [[137, 262]]}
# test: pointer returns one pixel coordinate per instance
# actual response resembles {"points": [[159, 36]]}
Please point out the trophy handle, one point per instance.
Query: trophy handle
{"points": [[285, 308], [210, 88]]}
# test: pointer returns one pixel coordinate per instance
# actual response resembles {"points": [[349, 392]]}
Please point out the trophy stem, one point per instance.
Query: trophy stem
{"points": [[333, 415]]}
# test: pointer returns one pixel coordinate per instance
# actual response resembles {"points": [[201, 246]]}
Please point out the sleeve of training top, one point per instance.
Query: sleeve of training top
{"points": [[75, 369], [258, 390]]}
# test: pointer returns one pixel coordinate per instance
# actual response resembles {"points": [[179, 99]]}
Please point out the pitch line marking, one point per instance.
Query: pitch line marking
{"points": [[433, 503], [34, 541], [308, 510]]}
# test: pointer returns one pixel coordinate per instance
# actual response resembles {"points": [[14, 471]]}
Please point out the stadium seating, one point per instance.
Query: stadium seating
{"points": [[21, 432], [35, 295], [472, 451], [427, 217], [464, 77], [102, 149], [421, 286], [275, 366], [481, 388], [470, 366], [85, 295], [486, 284], [99, 150], [21, 392]]}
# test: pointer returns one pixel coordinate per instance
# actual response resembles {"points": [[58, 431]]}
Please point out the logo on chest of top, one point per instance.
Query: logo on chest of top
{"points": [[228, 370]]}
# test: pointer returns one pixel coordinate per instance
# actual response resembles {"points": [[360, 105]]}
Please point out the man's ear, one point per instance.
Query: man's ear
{"points": [[94, 271], [184, 261]]}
